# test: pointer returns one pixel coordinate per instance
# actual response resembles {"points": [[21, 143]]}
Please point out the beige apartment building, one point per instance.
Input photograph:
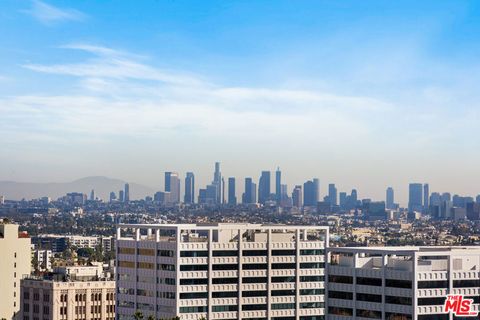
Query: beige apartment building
{"points": [[14, 264], [72, 293]]}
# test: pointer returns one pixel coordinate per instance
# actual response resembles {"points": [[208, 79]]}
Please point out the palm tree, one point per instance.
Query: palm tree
{"points": [[151, 317], [138, 315]]}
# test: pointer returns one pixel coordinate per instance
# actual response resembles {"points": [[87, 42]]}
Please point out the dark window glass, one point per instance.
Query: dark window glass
{"points": [[278, 293], [406, 301], [194, 267], [277, 266], [407, 284], [340, 295], [194, 254], [193, 281], [254, 253], [225, 253], [254, 266], [340, 279], [224, 267], [253, 307], [369, 314], [369, 297], [283, 252], [225, 294], [369, 281], [254, 293], [432, 284], [224, 280]]}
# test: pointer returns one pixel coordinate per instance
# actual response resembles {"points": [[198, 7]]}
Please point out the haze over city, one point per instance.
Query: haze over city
{"points": [[365, 95]]}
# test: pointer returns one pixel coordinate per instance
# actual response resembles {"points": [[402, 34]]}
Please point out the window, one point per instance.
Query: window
{"points": [[194, 281], [398, 283], [126, 264], [432, 284], [194, 267], [26, 295], [369, 297], [310, 252], [165, 253], [254, 253], [254, 266], [369, 314], [369, 281], [224, 280], [431, 301], [224, 308], [312, 265], [283, 252], [312, 278], [340, 279], [281, 306], [193, 254], [312, 305], [46, 297], [146, 252], [283, 279], [226, 253], [311, 292], [254, 280], [126, 250], [279, 293], [400, 316], [466, 283], [340, 295], [193, 295], [225, 294], [254, 307], [277, 266], [405, 301], [193, 309], [340, 311], [166, 267], [224, 267], [254, 293]]}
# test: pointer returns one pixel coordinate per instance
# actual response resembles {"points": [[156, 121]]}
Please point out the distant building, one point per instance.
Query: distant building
{"points": [[217, 184], [92, 195], [121, 196], [76, 198], [343, 200], [113, 196], [2, 200], [127, 193], [232, 198], [249, 196], [264, 187], [297, 197], [310, 193], [70, 293], [15, 262], [426, 195], [375, 210], [172, 185], [415, 197], [278, 186], [42, 258], [332, 194], [189, 196], [390, 198]]}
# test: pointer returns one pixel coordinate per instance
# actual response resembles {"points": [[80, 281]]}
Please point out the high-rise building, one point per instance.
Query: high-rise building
{"points": [[415, 197], [390, 198], [343, 200], [217, 183], [221, 271], [70, 293], [297, 197], [264, 187], [249, 196], [426, 196], [15, 263], [172, 185], [232, 198], [127, 193], [375, 210], [92, 195], [310, 193], [120, 195], [400, 282], [278, 185], [189, 196], [332, 194], [113, 196]]}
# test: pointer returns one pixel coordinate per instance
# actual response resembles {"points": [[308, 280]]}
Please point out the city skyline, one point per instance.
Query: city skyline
{"points": [[255, 85]]}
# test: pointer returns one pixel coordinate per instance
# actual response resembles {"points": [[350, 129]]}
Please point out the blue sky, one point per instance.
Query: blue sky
{"points": [[362, 93]]}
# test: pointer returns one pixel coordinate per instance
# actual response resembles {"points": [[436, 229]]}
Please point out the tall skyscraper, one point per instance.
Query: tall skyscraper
{"points": [[232, 198], [390, 198], [332, 194], [92, 195], [217, 182], [264, 187], [342, 200], [127, 192], [120, 196], [297, 197], [15, 263], [172, 185], [426, 196], [310, 193], [415, 197], [113, 196], [189, 196], [278, 185], [249, 196]]}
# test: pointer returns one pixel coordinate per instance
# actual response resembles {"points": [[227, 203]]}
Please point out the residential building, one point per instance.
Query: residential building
{"points": [[221, 271]]}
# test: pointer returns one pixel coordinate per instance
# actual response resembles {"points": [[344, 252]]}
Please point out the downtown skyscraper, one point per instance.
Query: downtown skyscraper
{"points": [[189, 196], [415, 197], [310, 193], [390, 198], [278, 185], [264, 187], [172, 186], [232, 198]]}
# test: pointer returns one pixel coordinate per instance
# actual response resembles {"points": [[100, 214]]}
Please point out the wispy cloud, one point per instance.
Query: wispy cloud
{"points": [[48, 14]]}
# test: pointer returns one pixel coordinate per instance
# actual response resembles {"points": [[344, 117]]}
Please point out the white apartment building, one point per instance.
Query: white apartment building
{"points": [[71, 293], [14, 264], [43, 259], [221, 271], [400, 283]]}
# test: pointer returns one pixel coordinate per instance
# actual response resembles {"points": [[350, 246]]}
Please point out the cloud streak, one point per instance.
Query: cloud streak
{"points": [[49, 15]]}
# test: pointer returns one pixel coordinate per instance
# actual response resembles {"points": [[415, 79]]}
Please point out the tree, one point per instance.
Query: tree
{"points": [[138, 315]]}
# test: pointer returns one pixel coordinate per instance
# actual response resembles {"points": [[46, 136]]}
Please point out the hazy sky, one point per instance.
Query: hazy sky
{"points": [[365, 94]]}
